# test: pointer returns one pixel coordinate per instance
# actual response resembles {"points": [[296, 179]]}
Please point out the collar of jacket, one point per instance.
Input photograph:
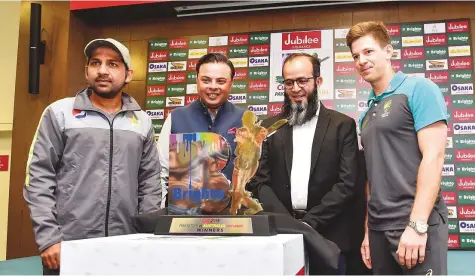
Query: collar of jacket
{"points": [[82, 102], [202, 107]]}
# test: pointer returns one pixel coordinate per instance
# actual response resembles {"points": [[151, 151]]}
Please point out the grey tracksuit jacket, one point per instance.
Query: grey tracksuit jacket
{"points": [[89, 172]]}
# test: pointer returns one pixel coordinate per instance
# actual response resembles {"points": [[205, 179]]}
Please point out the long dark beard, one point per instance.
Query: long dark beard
{"points": [[301, 112], [108, 95]]}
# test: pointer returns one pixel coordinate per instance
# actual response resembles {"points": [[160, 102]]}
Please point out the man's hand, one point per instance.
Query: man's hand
{"points": [[365, 253], [412, 248], [50, 256]]}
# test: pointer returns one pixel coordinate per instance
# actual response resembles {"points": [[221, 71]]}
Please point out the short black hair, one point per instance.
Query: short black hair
{"points": [[313, 59], [215, 58]]}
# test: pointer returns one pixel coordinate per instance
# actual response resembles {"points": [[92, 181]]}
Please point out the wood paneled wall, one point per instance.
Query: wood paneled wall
{"points": [[64, 73]]}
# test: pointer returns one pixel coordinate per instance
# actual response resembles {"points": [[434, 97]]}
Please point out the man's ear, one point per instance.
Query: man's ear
{"points": [[85, 71], [389, 51], [319, 81], [128, 77]]}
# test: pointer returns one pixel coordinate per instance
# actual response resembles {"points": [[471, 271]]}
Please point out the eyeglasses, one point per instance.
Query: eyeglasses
{"points": [[301, 82]]}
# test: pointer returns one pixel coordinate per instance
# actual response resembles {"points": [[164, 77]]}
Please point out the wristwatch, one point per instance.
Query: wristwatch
{"points": [[419, 226]]}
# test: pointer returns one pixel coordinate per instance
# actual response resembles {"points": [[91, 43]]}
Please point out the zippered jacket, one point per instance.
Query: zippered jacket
{"points": [[89, 172]]}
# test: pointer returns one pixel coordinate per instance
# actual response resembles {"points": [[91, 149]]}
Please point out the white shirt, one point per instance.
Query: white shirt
{"points": [[302, 139]]}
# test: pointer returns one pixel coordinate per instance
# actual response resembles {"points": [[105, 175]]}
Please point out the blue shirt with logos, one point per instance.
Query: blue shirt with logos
{"points": [[389, 137]]}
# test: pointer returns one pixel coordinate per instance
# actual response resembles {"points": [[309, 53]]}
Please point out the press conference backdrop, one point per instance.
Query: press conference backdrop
{"points": [[438, 50]]}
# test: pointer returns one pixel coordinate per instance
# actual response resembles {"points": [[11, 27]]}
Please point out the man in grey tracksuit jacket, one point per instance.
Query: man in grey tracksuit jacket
{"points": [[89, 172]]}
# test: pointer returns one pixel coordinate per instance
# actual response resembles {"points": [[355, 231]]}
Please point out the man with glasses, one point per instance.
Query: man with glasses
{"points": [[311, 163]]}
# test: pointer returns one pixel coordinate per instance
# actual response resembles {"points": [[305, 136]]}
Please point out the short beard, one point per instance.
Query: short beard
{"points": [[301, 112], [107, 95]]}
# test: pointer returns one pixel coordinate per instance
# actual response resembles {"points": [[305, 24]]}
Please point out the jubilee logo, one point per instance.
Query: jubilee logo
{"points": [[413, 53], [448, 170], [263, 38], [239, 39], [457, 27], [258, 98], [461, 76], [448, 183], [241, 74], [191, 65], [178, 77], [176, 89], [175, 101], [345, 68], [274, 108], [436, 64], [436, 52], [465, 183], [458, 39], [258, 85], [453, 241], [435, 40], [453, 227], [301, 40], [190, 77], [155, 90], [465, 197], [157, 125], [156, 78], [411, 29], [462, 102], [156, 114], [465, 155], [396, 65], [466, 212], [158, 56], [362, 83], [178, 44], [190, 99], [177, 55], [340, 45], [157, 67], [461, 89], [239, 87], [460, 63], [258, 109], [237, 98], [158, 44], [438, 77], [346, 106], [198, 42], [412, 66], [345, 81], [197, 53], [258, 61], [155, 102], [238, 51], [259, 50], [463, 115], [219, 50], [259, 73], [394, 30], [450, 198], [465, 169]]}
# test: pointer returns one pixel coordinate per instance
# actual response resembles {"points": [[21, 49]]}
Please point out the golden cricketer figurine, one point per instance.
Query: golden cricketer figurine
{"points": [[249, 140]]}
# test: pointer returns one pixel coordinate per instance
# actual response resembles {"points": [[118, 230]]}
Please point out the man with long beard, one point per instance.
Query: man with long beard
{"points": [[93, 163], [310, 164]]}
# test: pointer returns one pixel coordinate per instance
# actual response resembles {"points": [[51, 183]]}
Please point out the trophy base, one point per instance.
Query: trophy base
{"points": [[216, 225]]}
